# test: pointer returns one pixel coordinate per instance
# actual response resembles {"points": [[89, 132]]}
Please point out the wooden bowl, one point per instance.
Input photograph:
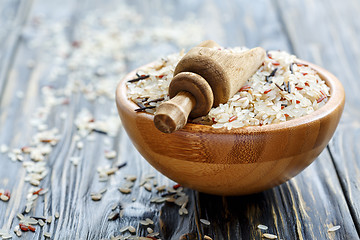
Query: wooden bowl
{"points": [[237, 161]]}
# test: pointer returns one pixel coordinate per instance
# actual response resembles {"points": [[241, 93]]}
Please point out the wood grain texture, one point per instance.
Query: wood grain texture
{"points": [[218, 68], [325, 194], [173, 115], [333, 44], [240, 216], [13, 18]]}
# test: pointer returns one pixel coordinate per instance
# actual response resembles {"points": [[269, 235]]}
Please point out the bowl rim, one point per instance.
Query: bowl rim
{"points": [[336, 100]]}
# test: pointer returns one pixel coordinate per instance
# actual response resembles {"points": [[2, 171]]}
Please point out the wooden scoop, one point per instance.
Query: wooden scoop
{"points": [[204, 78]]}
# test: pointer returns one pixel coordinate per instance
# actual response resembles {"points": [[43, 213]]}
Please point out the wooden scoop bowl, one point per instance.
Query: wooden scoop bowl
{"points": [[237, 161]]}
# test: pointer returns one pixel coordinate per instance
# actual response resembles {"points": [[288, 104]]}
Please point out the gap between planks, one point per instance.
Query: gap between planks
{"points": [[343, 189], [338, 175]]}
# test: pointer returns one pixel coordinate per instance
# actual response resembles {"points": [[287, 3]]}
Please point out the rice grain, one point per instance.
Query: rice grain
{"points": [[125, 190], [262, 227], [204, 221], [334, 228], [47, 235], [269, 236], [131, 229]]}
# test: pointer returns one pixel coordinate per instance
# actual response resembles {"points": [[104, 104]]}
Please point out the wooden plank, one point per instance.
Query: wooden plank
{"points": [[332, 43], [343, 147], [8, 13], [70, 186], [288, 210], [21, 97], [13, 17], [303, 208]]}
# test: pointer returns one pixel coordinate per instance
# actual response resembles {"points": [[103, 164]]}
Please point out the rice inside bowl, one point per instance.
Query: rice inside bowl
{"points": [[280, 90]]}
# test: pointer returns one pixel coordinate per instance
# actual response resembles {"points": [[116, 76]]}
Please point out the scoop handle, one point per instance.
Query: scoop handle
{"points": [[173, 114]]}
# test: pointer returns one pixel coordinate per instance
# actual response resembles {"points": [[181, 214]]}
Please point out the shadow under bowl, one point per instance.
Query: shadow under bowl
{"points": [[237, 161]]}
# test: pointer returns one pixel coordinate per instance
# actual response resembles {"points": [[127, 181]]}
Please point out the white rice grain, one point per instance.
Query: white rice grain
{"points": [[334, 228], [262, 227], [110, 154], [269, 236], [204, 221]]}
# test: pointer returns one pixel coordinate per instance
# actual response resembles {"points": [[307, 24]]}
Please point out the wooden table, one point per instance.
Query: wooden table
{"points": [[61, 56]]}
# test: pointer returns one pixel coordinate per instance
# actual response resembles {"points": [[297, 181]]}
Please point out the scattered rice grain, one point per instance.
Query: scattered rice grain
{"points": [[125, 190], [149, 221], [4, 198], [154, 234], [28, 207], [110, 154], [131, 178], [132, 229], [148, 187], [124, 229], [18, 232], [6, 236], [111, 171], [262, 227], [47, 235], [96, 196], [204, 221], [155, 183], [269, 236], [183, 211], [115, 206], [29, 221], [334, 228], [143, 222], [161, 188], [41, 222], [122, 212], [49, 219], [4, 148], [80, 145], [113, 216], [34, 182]]}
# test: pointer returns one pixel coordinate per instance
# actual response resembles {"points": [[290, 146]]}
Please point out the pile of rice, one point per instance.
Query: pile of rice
{"points": [[280, 90]]}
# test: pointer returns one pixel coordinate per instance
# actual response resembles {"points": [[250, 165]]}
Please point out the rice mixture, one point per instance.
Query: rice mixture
{"points": [[280, 90]]}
